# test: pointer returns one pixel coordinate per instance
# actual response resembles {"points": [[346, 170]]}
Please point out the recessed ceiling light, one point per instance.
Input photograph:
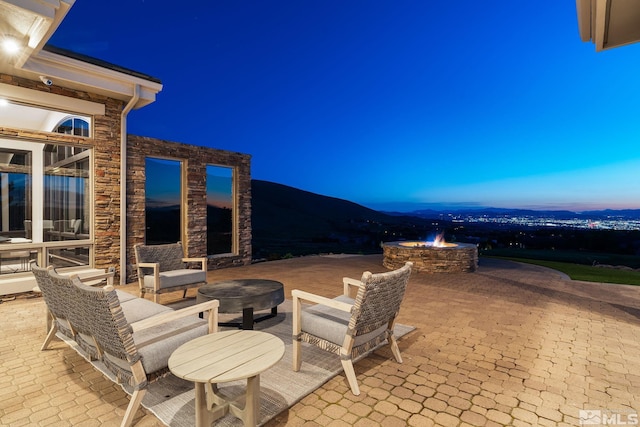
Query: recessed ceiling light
{"points": [[10, 45], [4, 102]]}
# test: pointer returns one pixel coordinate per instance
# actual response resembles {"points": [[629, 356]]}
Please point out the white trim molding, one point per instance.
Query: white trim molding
{"points": [[50, 100]]}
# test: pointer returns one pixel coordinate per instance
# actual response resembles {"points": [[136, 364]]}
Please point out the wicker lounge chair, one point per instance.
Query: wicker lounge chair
{"points": [[163, 268], [136, 353], [351, 327], [133, 338]]}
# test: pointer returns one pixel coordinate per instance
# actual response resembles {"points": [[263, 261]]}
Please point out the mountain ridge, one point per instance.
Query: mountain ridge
{"points": [[286, 219], [291, 192]]}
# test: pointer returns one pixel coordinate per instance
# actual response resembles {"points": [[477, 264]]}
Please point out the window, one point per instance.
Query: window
{"points": [[15, 192], [15, 209], [73, 126], [46, 197], [67, 189], [69, 257], [220, 224], [163, 201], [46, 193]]}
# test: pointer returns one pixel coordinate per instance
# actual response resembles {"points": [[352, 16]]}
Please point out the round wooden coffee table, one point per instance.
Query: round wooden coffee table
{"points": [[222, 357], [246, 296]]}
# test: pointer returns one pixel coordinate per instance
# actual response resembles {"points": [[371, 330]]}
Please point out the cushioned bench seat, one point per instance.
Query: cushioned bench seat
{"points": [[136, 309], [155, 344]]}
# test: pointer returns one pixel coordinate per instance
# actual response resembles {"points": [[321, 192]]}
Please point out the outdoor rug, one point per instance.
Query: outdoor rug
{"points": [[172, 399]]}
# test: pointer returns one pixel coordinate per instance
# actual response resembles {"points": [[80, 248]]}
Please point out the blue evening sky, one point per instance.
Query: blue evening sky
{"points": [[404, 103]]}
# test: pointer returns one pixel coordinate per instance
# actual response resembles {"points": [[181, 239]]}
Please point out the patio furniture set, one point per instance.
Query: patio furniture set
{"points": [[139, 341]]}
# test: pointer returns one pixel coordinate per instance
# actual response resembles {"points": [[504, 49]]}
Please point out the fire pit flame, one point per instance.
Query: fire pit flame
{"points": [[437, 242]]}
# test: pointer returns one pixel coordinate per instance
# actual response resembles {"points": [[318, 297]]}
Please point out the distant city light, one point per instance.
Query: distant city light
{"points": [[543, 221]]}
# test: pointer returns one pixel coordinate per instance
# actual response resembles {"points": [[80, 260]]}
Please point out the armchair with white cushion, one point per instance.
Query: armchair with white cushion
{"points": [[164, 268], [351, 327]]}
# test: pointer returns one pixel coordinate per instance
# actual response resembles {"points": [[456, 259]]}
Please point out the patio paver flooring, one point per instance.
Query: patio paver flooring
{"points": [[511, 344]]}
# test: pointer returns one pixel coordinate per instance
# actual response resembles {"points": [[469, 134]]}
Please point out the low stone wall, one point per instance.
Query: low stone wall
{"points": [[461, 258]]}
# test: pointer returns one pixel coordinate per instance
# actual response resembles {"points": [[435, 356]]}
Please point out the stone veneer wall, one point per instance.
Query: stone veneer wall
{"points": [[106, 164], [195, 159]]}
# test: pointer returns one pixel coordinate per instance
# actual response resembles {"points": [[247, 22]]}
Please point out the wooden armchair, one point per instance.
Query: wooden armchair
{"points": [[163, 268], [351, 327]]}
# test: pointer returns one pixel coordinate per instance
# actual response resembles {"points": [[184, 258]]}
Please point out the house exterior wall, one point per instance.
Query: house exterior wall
{"points": [[106, 163], [195, 159]]}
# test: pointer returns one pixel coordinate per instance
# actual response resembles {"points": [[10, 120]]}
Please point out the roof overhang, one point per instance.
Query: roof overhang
{"points": [[86, 76], [609, 23], [31, 23]]}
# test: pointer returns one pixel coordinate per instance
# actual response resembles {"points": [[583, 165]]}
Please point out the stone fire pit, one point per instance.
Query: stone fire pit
{"points": [[428, 258]]}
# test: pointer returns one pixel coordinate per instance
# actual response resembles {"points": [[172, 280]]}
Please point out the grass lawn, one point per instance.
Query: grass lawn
{"points": [[585, 272]]}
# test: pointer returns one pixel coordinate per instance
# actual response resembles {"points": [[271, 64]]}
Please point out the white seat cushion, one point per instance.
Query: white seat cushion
{"points": [[331, 324], [173, 278]]}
